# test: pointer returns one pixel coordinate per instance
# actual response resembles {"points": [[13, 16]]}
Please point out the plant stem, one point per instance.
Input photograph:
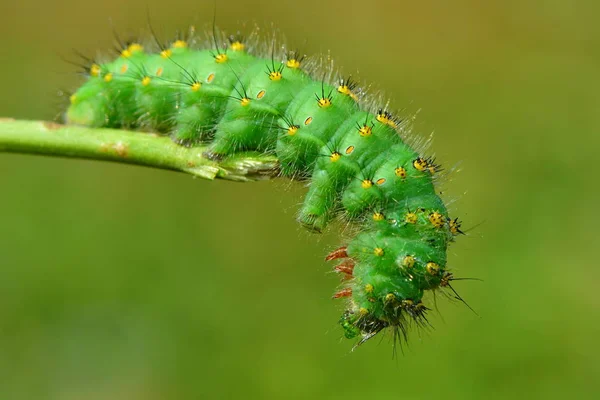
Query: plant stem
{"points": [[49, 138]]}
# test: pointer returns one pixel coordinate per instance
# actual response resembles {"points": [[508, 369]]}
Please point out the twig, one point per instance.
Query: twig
{"points": [[49, 138]]}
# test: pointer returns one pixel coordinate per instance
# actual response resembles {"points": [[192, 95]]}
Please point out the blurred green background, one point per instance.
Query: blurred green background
{"points": [[120, 282]]}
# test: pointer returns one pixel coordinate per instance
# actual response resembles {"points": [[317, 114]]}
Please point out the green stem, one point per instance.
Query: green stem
{"points": [[49, 138]]}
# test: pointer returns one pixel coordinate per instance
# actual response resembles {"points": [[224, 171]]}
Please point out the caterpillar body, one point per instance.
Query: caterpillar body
{"points": [[358, 164]]}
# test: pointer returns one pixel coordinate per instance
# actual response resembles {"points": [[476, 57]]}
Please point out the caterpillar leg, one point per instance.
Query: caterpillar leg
{"points": [[337, 253], [319, 202]]}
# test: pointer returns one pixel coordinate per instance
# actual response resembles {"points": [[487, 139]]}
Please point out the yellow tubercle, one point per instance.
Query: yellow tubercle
{"points": [[179, 44], [95, 70], [368, 288], [293, 63], [365, 131], [455, 225], [378, 216], [245, 101], [166, 53], [196, 86], [344, 89], [221, 58], [383, 117], [335, 156], [400, 172], [133, 47], [108, 77], [292, 130], [237, 46], [366, 184], [432, 268], [378, 251], [386, 118], [408, 262], [410, 218], [437, 219], [146, 81], [420, 164], [407, 303], [275, 75], [324, 102]]}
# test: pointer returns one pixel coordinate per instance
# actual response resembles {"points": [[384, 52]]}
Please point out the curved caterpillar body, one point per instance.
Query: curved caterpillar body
{"points": [[359, 166]]}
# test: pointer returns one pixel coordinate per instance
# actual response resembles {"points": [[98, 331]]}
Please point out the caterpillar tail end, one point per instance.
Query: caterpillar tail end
{"points": [[369, 312], [365, 323]]}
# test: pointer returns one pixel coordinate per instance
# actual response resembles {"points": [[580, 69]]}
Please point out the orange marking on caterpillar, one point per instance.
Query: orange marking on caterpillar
{"points": [[346, 292], [337, 253], [346, 267]]}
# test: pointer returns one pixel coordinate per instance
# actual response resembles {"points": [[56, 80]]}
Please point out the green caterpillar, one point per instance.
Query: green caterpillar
{"points": [[359, 166]]}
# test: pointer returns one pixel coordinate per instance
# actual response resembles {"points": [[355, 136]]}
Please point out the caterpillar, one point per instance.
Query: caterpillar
{"points": [[328, 132]]}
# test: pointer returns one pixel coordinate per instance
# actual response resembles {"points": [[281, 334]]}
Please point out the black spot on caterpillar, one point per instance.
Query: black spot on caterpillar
{"points": [[239, 98]]}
